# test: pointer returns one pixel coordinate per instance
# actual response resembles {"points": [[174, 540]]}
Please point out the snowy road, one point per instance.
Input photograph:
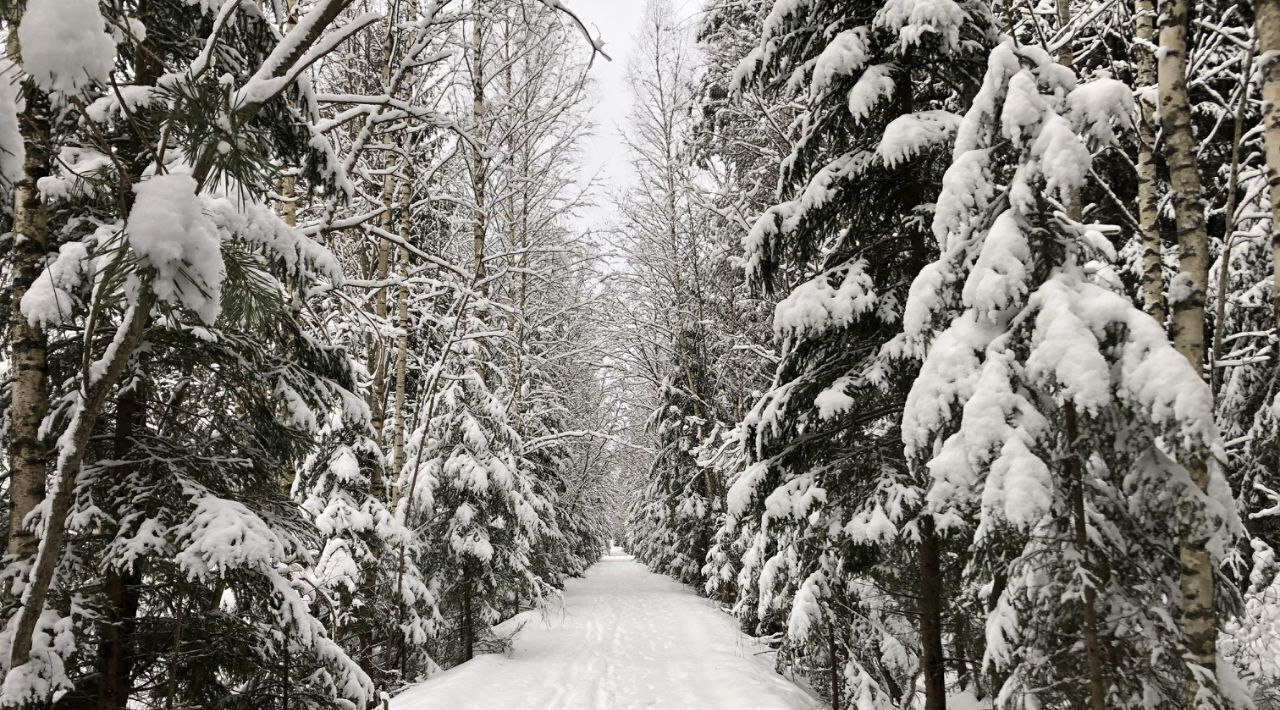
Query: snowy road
{"points": [[626, 639]]}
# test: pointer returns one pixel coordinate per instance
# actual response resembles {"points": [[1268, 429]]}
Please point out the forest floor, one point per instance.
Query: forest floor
{"points": [[625, 639]]}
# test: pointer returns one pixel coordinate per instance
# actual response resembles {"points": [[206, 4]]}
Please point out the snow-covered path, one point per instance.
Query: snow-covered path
{"points": [[626, 639]]}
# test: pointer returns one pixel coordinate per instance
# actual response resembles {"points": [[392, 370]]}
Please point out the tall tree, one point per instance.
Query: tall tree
{"points": [[1187, 293], [826, 484]]}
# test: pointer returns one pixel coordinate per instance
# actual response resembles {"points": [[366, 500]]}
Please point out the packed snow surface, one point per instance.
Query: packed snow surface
{"points": [[626, 639]]}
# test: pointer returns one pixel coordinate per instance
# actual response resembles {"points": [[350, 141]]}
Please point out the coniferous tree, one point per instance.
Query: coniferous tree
{"points": [[826, 490], [1032, 355]]}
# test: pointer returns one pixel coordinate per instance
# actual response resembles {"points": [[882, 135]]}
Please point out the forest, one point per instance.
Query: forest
{"points": [[933, 343]]}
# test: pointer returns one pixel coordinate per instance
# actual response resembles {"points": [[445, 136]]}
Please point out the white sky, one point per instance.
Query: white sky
{"points": [[616, 22]]}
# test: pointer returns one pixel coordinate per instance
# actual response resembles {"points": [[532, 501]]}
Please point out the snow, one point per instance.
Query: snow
{"points": [[296, 409], [344, 465], [276, 72], [744, 488], [1100, 106], [1024, 108], [1002, 64], [785, 218], [340, 516], [911, 134], [169, 230], [833, 400], [873, 86], [12, 150], [1066, 350], [256, 224], [1002, 630], [819, 304], [794, 499], [999, 278], [224, 534], [966, 184], [913, 20], [805, 609], [626, 639], [45, 674], [64, 45], [846, 54], [946, 378], [1020, 483], [107, 107], [52, 296], [1150, 375], [78, 166], [870, 527], [1060, 157]]}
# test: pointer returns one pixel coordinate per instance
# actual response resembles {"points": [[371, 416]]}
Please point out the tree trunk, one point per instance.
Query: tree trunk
{"points": [[115, 650], [1267, 26], [378, 392], [1152, 283], [402, 340], [468, 627], [29, 390], [968, 669], [517, 292], [377, 398], [932, 660], [479, 168], [1093, 659], [1092, 646], [1066, 53], [833, 655], [289, 199], [1186, 298], [189, 652]]}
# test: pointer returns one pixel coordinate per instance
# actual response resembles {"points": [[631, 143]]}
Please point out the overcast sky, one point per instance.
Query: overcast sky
{"points": [[616, 22]]}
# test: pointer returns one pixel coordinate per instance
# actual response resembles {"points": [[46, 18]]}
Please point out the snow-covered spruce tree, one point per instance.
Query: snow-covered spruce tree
{"points": [[589, 503], [1050, 412], [207, 544], [569, 478], [374, 599], [826, 502], [565, 540], [672, 522], [739, 145], [387, 318], [166, 258], [484, 515]]}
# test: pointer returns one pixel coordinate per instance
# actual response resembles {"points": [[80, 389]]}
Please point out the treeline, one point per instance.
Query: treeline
{"points": [[961, 341], [299, 383]]}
